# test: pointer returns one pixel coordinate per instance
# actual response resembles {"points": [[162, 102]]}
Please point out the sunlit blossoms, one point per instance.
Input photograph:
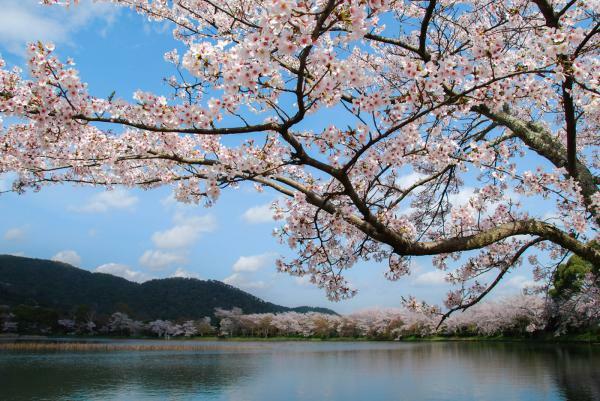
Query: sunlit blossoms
{"points": [[373, 119]]}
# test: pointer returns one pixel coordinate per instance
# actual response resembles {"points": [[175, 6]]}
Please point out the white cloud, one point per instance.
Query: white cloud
{"points": [[241, 281], [23, 21], [68, 256], [462, 197], [551, 215], [182, 273], [186, 231], [16, 254], [168, 200], [435, 277], [465, 193], [159, 260], [519, 282], [303, 280], [253, 263], [123, 271], [259, 214], [245, 266], [117, 198], [409, 179], [179, 236], [15, 234]]}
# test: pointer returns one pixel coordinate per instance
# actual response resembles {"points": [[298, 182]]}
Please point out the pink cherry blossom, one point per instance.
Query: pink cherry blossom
{"points": [[503, 93]]}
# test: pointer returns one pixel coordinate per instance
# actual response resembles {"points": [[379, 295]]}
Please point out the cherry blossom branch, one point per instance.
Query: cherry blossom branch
{"points": [[508, 264], [212, 131]]}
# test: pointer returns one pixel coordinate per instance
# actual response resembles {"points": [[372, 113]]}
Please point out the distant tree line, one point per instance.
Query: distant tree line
{"points": [[522, 315]]}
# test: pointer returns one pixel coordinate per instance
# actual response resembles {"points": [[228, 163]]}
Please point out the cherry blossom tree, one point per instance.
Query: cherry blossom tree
{"points": [[204, 327], [375, 322], [230, 320], [10, 327], [421, 99], [581, 309], [189, 328], [68, 325], [7, 323], [517, 315], [120, 323], [162, 328]]}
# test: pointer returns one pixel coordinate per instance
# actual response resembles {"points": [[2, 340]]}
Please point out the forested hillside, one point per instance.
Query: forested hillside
{"points": [[67, 289]]}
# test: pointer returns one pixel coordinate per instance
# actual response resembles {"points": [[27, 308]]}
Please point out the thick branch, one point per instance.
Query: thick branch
{"points": [[548, 13], [424, 28], [547, 146], [571, 125], [500, 232], [198, 131]]}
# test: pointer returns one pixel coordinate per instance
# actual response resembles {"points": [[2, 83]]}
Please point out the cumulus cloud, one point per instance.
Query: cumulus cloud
{"points": [[465, 193], [519, 282], [123, 271], [15, 234], [159, 260], [303, 280], [245, 267], [462, 197], [68, 256], [182, 273], [435, 277], [23, 21], [409, 179], [169, 201], [102, 202], [253, 263], [258, 214], [185, 232], [242, 281]]}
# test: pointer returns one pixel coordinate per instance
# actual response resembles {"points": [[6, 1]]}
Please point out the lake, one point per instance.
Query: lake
{"points": [[319, 371]]}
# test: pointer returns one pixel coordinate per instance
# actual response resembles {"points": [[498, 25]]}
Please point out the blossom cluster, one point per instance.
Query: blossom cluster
{"points": [[500, 94]]}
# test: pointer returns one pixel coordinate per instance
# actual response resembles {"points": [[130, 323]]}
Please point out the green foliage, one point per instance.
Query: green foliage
{"points": [[80, 294], [569, 276], [35, 319]]}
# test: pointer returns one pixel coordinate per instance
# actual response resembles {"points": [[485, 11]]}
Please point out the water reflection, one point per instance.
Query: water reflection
{"points": [[114, 375], [311, 371]]}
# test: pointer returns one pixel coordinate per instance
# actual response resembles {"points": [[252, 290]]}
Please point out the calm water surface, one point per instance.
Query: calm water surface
{"points": [[309, 371]]}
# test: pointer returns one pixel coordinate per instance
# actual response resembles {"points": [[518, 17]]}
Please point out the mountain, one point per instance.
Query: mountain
{"points": [[65, 288]]}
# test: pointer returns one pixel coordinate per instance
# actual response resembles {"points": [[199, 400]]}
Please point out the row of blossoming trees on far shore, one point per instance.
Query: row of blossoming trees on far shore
{"points": [[513, 316]]}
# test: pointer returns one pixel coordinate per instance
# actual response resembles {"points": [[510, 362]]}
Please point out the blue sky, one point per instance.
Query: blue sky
{"points": [[145, 234]]}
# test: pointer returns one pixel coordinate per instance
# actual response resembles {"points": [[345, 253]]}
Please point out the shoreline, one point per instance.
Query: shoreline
{"points": [[194, 342]]}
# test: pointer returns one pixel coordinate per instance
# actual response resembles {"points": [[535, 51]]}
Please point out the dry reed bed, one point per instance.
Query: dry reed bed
{"points": [[76, 347]]}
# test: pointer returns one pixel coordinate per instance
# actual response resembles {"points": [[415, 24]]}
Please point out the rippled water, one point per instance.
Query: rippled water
{"points": [[309, 371]]}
